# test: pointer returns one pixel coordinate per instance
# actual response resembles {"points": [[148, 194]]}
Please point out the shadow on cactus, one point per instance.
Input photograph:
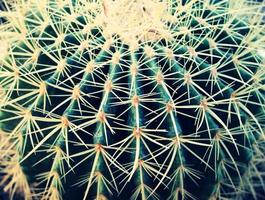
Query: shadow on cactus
{"points": [[136, 100]]}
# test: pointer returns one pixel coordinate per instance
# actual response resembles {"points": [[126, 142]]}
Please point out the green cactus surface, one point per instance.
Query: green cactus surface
{"points": [[132, 99]]}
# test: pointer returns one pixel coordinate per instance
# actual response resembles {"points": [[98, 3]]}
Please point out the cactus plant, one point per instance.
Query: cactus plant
{"points": [[143, 99]]}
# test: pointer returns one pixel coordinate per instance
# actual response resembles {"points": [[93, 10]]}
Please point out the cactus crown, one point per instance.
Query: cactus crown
{"points": [[135, 21], [142, 99]]}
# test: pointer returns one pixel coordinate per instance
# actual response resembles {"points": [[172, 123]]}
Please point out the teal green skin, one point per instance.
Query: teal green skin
{"points": [[91, 84]]}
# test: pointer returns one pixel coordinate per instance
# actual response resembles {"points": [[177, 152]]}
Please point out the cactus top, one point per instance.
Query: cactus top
{"points": [[135, 21]]}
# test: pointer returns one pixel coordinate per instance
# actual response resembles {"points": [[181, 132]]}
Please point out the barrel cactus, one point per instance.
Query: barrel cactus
{"points": [[132, 99]]}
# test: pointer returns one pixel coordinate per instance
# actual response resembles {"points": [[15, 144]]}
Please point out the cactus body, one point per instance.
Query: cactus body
{"points": [[132, 100]]}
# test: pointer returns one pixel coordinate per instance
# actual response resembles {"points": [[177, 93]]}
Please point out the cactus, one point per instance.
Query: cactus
{"points": [[142, 99]]}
